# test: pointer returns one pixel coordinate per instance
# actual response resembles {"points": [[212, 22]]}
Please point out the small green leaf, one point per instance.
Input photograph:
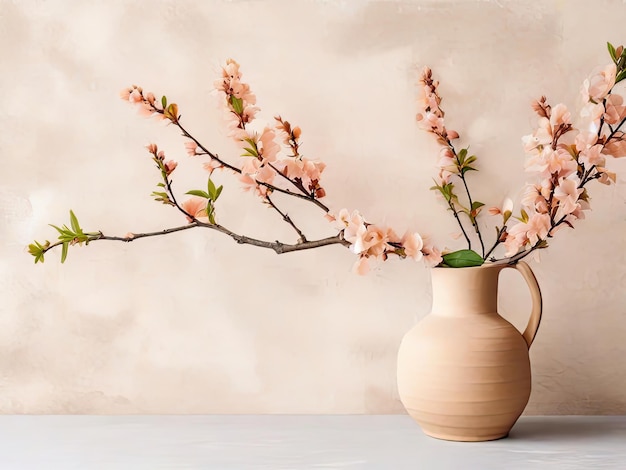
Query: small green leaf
{"points": [[164, 102], [74, 222], [461, 155], [612, 51], [250, 153], [218, 192], [161, 185], [470, 160], [524, 216], [237, 104], [212, 189], [465, 169], [64, 252], [462, 259], [199, 193], [620, 76]]}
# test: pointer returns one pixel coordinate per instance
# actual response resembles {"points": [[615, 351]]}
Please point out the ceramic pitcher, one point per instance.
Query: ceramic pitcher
{"points": [[464, 371]]}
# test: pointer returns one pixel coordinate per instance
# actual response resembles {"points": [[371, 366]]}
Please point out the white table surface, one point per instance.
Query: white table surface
{"points": [[300, 442]]}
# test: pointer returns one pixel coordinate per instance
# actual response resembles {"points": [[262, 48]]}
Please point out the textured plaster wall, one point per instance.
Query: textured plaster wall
{"points": [[192, 322]]}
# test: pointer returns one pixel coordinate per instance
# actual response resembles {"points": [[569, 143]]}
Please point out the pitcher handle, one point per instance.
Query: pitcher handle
{"points": [[535, 293]]}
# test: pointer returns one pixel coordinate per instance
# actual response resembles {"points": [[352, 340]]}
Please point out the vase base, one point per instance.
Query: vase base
{"points": [[451, 437]]}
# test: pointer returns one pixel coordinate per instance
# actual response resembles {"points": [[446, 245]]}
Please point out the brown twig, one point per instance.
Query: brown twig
{"points": [[276, 246]]}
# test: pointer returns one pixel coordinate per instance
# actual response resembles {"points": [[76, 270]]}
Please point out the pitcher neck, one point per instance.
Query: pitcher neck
{"points": [[465, 291]]}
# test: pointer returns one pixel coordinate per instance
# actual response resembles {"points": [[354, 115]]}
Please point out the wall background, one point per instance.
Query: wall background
{"points": [[193, 323]]}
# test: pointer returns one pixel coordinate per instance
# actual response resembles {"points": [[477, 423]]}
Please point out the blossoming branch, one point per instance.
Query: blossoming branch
{"points": [[563, 158]]}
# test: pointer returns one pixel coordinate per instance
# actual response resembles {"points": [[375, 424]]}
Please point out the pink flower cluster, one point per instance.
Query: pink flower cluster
{"points": [[565, 158], [146, 102], [263, 163], [374, 242], [431, 119]]}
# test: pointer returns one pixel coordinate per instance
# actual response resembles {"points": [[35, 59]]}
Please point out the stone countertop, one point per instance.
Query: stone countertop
{"points": [[300, 442]]}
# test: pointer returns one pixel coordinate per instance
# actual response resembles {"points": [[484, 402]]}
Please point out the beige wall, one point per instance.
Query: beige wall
{"points": [[193, 323]]}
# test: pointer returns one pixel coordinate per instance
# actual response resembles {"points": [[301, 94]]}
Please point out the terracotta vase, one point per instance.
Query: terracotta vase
{"points": [[464, 371]]}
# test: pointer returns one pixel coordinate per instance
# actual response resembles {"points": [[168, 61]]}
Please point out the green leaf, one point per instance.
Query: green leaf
{"points": [[461, 155], [64, 252], [74, 222], [470, 160], [250, 153], [465, 169], [620, 76], [218, 192], [212, 189], [477, 205], [237, 104], [462, 259], [524, 216], [164, 102], [199, 193], [612, 51], [64, 232]]}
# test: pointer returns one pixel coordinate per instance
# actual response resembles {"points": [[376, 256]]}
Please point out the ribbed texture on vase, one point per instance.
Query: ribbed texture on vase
{"points": [[464, 378]]}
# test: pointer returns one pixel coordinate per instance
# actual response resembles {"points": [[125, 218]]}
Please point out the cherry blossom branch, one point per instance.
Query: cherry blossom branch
{"points": [[286, 218], [469, 198], [305, 196], [458, 219], [501, 232], [276, 246]]}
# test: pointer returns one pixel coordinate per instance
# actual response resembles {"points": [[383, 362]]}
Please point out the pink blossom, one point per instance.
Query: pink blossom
{"points": [[195, 207], [447, 161], [211, 165], [265, 175], [135, 96], [425, 98], [549, 162], [540, 138], [146, 110], [361, 267], [413, 244], [616, 147], [430, 121], [592, 156], [578, 213], [374, 240], [559, 116], [585, 140], [268, 148], [432, 256], [516, 238], [170, 166], [615, 109], [596, 87], [506, 207], [538, 227], [191, 148], [607, 176], [353, 227], [591, 115], [567, 193], [247, 181]]}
